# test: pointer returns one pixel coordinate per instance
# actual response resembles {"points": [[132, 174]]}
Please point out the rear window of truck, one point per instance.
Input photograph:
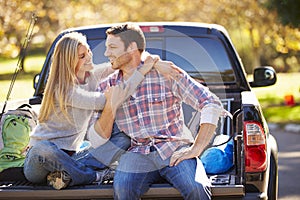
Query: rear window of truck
{"points": [[203, 58]]}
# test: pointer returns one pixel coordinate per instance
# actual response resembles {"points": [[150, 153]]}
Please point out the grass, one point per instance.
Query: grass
{"points": [[287, 84], [32, 63], [23, 87], [282, 114], [271, 98]]}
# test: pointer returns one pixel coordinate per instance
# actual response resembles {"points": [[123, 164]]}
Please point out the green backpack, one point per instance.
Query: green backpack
{"points": [[16, 126]]}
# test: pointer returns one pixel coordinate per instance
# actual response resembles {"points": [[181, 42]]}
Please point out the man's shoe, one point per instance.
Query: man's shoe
{"points": [[58, 180]]}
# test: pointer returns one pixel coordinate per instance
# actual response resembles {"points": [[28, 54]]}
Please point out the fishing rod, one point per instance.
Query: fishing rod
{"points": [[21, 59]]}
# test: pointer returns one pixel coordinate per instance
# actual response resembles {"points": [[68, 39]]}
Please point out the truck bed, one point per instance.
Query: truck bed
{"points": [[223, 185]]}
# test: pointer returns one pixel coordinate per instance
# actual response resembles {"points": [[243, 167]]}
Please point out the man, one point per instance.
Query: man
{"points": [[152, 118]]}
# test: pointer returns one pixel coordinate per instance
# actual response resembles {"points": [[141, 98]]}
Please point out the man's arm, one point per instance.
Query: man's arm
{"points": [[208, 123], [202, 140], [200, 98]]}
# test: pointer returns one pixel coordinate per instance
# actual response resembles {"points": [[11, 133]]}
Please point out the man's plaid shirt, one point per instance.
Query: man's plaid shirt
{"points": [[152, 116]]}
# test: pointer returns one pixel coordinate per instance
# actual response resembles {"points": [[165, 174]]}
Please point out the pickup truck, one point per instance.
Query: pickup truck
{"points": [[206, 52]]}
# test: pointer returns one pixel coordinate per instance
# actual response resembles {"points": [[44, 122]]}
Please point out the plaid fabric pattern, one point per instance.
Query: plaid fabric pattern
{"points": [[152, 116]]}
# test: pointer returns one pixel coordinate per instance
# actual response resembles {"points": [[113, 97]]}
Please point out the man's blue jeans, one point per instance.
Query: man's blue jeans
{"points": [[136, 172], [44, 157]]}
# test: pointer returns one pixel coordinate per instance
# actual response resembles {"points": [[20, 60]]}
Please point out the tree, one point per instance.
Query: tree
{"points": [[288, 45], [53, 16], [253, 28], [288, 11]]}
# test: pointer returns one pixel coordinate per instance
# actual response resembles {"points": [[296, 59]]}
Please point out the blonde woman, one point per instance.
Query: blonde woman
{"points": [[67, 106]]}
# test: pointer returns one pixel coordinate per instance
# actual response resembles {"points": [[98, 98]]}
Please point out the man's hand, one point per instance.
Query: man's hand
{"points": [[182, 154], [202, 140]]}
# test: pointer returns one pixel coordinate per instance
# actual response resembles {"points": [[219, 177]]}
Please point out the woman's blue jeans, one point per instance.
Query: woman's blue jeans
{"points": [[44, 157], [136, 172]]}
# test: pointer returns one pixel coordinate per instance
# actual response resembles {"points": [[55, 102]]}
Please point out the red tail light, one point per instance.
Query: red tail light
{"points": [[255, 147]]}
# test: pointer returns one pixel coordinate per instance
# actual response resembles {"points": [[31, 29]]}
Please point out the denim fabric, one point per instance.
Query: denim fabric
{"points": [[45, 157], [136, 172], [113, 148]]}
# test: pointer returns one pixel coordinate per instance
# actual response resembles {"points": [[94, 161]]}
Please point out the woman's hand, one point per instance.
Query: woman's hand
{"points": [[116, 95], [149, 62], [168, 69]]}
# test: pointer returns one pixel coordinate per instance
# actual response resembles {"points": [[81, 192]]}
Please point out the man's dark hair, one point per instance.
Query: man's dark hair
{"points": [[129, 33]]}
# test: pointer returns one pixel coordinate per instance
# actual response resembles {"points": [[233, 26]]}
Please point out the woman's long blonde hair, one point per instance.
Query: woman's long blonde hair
{"points": [[62, 75]]}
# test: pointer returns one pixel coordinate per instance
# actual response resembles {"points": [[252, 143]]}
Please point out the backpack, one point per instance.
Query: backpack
{"points": [[16, 126]]}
